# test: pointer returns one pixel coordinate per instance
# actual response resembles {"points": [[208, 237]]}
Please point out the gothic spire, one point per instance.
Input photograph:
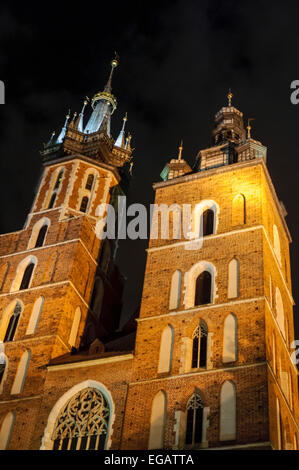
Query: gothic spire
{"points": [[81, 115], [63, 130], [120, 141], [103, 103], [114, 64]]}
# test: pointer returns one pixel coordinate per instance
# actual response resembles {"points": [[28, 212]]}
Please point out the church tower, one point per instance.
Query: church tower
{"points": [[213, 366], [59, 286]]}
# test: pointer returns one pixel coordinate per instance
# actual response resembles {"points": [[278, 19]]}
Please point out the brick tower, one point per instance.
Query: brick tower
{"points": [[60, 288], [213, 364]]}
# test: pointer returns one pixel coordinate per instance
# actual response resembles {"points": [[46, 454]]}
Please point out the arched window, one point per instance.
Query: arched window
{"points": [[52, 200], [83, 423], [194, 420], [207, 222], [58, 179], [24, 274], [279, 311], [20, 377], [158, 415], [203, 288], [27, 276], [233, 279], [230, 339], [97, 297], [39, 232], [41, 236], [274, 352], [89, 182], [278, 426], [175, 290], [228, 412], [205, 218], [2, 367], [166, 345], [276, 244], [239, 210], [35, 316], [200, 346], [75, 327], [6, 430], [13, 323], [199, 284], [84, 203]]}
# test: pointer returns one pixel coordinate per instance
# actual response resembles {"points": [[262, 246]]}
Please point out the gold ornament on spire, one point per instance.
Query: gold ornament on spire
{"points": [[229, 97], [115, 61]]}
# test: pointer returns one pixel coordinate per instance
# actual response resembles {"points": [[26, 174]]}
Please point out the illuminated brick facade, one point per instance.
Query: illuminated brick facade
{"points": [[208, 370]]}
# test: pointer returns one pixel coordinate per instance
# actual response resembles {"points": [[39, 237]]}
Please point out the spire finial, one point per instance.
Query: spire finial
{"points": [[180, 150], [249, 127], [128, 142], [229, 97], [63, 130], [120, 141], [80, 119], [114, 64]]}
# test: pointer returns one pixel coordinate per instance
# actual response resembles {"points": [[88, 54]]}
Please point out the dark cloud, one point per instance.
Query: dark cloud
{"points": [[177, 61]]}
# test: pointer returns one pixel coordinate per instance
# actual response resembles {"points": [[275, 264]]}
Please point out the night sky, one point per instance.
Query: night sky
{"points": [[177, 61]]}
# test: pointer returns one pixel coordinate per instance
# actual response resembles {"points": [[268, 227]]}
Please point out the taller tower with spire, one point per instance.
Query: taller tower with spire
{"points": [[61, 291]]}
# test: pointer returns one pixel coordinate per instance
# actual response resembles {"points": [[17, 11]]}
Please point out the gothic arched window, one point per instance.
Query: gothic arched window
{"points": [[233, 279], [13, 323], [89, 182], [203, 288], [200, 346], [229, 353], [52, 200], [58, 180], [207, 222], [83, 423], [6, 430], [27, 276], [194, 420], [2, 367], [239, 210], [228, 411], [41, 236], [175, 290], [35, 316], [20, 376], [158, 418], [84, 204]]}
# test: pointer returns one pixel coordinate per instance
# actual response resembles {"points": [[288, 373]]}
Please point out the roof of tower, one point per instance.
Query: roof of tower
{"points": [[103, 103], [229, 125]]}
